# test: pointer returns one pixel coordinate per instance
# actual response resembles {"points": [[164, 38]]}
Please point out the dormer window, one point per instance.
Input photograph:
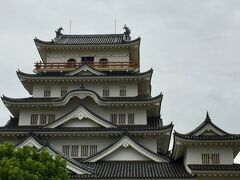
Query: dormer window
{"points": [[103, 62], [47, 92], [71, 63]]}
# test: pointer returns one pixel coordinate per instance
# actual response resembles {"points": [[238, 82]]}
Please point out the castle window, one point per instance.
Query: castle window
{"points": [[74, 151], [113, 118], [47, 92], [122, 119], [71, 63], [87, 60], [103, 62], [84, 151], [34, 119], [51, 118], [43, 119], [63, 91], [65, 150], [123, 90], [131, 118], [93, 150], [210, 159], [105, 91]]}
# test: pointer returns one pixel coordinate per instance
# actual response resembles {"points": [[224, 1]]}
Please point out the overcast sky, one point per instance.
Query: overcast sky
{"points": [[193, 47]]}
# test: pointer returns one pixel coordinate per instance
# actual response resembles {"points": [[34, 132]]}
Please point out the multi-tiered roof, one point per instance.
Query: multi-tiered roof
{"points": [[75, 105]]}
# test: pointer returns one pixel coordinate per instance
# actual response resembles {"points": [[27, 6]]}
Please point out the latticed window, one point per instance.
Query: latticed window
{"points": [[122, 118], [34, 119], [51, 118], [93, 150], [65, 149], [84, 151], [47, 92], [113, 118], [210, 159], [43, 119], [131, 118], [63, 91], [105, 91], [123, 90], [75, 149]]}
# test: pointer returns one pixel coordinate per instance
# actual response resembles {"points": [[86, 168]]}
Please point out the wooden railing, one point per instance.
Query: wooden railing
{"points": [[40, 66]]}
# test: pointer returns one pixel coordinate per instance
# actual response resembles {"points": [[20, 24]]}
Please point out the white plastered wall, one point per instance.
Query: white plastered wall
{"points": [[114, 88], [194, 154], [140, 115], [113, 55]]}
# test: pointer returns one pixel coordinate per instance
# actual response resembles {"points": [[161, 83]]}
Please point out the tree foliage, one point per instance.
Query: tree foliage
{"points": [[27, 163]]}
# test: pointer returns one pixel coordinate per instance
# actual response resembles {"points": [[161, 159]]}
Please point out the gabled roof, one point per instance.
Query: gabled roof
{"points": [[72, 165], [80, 113], [208, 131], [83, 69], [93, 39], [136, 170], [125, 142], [81, 93]]}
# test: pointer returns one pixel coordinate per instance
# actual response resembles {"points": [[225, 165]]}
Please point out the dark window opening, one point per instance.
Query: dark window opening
{"points": [[87, 60], [103, 62], [71, 63]]}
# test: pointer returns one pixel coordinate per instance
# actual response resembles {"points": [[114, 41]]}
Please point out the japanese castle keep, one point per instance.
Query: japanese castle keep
{"points": [[90, 103]]}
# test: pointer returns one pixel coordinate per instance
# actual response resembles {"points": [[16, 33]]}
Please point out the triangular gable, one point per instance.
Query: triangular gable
{"points": [[80, 113], [85, 70], [126, 142], [207, 128], [71, 165]]}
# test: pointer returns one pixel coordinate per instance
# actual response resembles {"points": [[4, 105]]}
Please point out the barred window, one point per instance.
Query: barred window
{"points": [[210, 159], [93, 149], [47, 92], [105, 92], [113, 118], [63, 91], [65, 149], [84, 151], [123, 90], [34, 119], [131, 118], [74, 152], [122, 119], [43, 119], [51, 118]]}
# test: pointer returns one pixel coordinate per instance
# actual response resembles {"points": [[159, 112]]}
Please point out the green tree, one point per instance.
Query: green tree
{"points": [[27, 163]]}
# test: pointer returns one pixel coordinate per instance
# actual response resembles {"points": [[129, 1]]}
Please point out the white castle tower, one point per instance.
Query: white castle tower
{"points": [[91, 104]]}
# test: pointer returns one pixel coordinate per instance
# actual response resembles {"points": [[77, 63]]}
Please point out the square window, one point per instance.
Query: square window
{"points": [[47, 92], [84, 151], [65, 150], [34, 119], [123, 90], [93, 149], [43, 119], [122, 119], [113, 118], [75, 149], [51, 118], [131, 118], [63, 91], [105, 92]]}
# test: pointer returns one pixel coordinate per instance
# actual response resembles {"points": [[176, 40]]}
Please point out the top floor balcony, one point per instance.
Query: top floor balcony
{"points": [[100, 66]]}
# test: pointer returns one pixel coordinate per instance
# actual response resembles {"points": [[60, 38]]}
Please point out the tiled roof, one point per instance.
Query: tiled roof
{"points": [[60, 99], [107, 74], [135, 169], [209, 137], [95, 39], [213, 167]]}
